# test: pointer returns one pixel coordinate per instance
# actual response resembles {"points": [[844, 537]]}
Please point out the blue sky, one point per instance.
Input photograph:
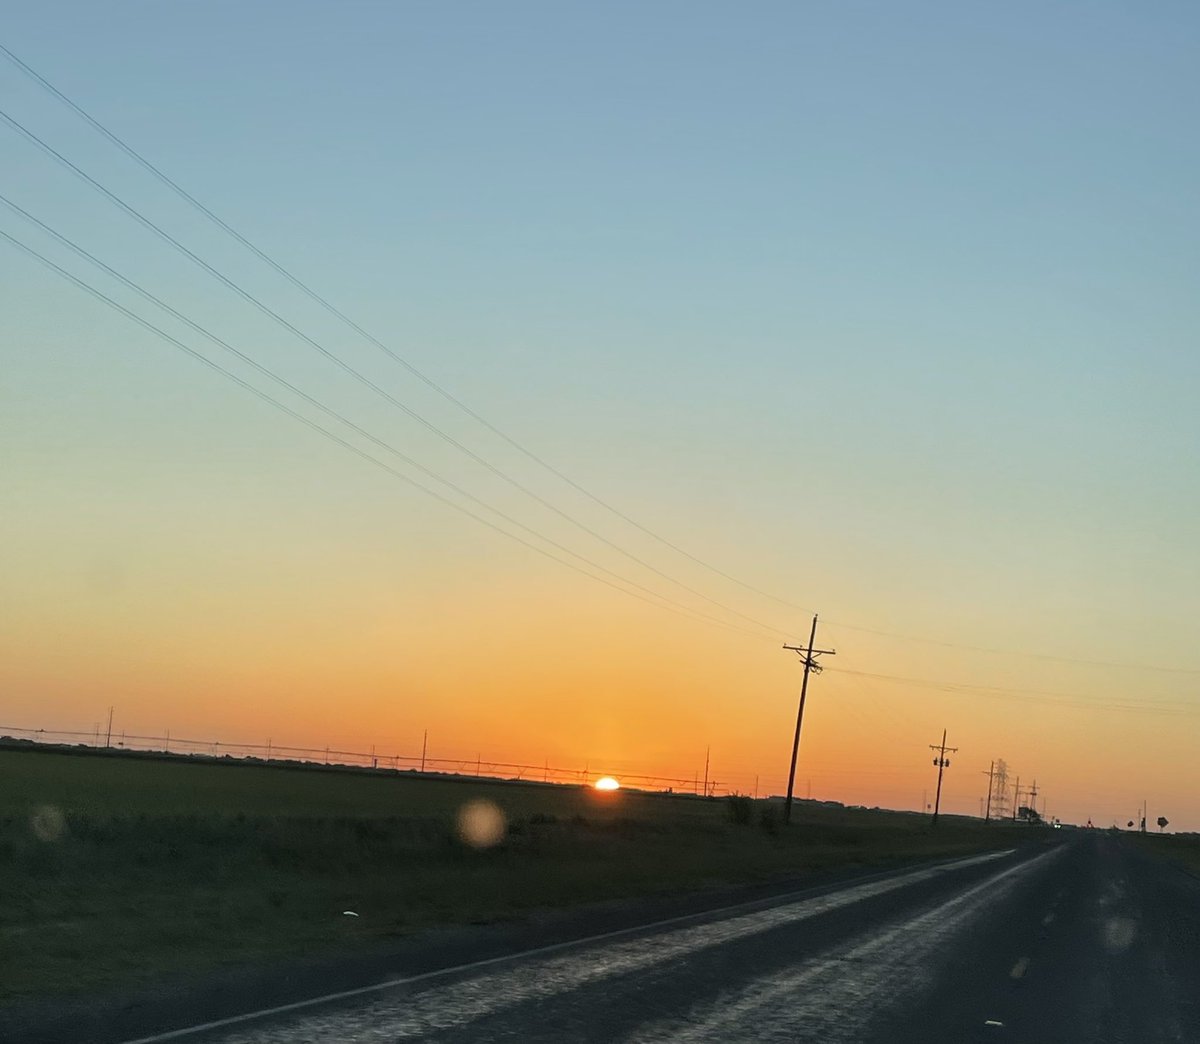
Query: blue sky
{"points": [[886, 308]]}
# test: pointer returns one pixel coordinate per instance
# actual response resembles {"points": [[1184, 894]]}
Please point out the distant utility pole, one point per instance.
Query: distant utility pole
{"points": [[809, 655], [1033, 792], [706, 753], [424, 748], [991, 774], [108, 735], [1016, 797], [943, 763]]}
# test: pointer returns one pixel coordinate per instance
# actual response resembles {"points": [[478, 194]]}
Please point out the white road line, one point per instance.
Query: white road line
{"points": [[1019, 969], [476, 997]]}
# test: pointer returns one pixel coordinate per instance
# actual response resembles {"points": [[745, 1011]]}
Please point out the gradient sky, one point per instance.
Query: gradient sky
{"points": [[887, 310]]}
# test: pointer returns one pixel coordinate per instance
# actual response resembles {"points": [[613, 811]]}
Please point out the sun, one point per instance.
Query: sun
{"points": [[607, 783]]}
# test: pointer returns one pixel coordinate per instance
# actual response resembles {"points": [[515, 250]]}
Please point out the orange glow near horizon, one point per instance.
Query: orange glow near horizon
{"points": [[607, 783]]}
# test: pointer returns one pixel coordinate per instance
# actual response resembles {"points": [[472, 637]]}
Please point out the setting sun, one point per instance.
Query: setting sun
{"points": [[607, 783]]}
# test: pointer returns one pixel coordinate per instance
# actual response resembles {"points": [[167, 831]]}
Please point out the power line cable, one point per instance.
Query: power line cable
{"points": [[445, 393], [1040, 696], [270, 400], [270, 374], [325, 303], [362, 378], [1108, 664]]}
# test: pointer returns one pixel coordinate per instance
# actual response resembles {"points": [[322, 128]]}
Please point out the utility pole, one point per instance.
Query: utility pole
{"points": [[1016, 797], [987, 816], [1033, 799], [706, 753], [943, 763], [108, 734], [424, 748], [809, 655]]}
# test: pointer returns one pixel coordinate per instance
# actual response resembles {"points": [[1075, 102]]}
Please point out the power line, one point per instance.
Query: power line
{"points": [[325, 303], [1041, 696], [1017, 652], [271, 375], [264, 396], [361, 377]]}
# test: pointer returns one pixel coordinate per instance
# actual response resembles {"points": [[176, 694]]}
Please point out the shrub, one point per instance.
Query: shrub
{"points": [[740, 808], [768, 818]]}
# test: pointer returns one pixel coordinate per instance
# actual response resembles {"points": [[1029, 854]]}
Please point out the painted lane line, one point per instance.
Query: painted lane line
{"points": [[1019, 969], [502, 987]]}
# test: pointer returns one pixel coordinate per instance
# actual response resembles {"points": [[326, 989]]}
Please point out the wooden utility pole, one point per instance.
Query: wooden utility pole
{"points": [[706, 753], [943, 763], [809, 655], [424, 748], [991, 772]]}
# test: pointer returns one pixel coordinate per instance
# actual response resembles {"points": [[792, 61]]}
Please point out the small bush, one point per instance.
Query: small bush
{"points": [[768, 818], [740, 809]]}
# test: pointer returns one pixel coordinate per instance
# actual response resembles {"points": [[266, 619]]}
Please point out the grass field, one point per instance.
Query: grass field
{"points": [[118, 870], [1183, 849]]}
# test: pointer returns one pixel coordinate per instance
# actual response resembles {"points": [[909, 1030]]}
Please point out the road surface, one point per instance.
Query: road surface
{"points": [[1082, 941]]}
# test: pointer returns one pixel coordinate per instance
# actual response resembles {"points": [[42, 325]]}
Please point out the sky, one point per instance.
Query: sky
{"points": [[886, 312]]}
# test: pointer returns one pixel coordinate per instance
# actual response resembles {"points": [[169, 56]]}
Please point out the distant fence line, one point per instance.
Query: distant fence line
{"points": [[268, 753]]}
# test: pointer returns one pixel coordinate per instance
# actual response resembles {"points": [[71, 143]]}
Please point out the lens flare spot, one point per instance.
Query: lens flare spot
{"points": [[481, 823], [608, 783], [47, 823]]}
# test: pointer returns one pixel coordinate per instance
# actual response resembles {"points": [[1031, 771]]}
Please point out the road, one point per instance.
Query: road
{"points": [[1082, 941]]}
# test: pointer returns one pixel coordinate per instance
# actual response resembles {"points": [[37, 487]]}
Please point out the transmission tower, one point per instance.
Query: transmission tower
{"points": [[1000, 790]]}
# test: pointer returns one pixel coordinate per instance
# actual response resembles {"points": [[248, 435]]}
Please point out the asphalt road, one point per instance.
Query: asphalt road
{"points": [[1083, 941]]}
